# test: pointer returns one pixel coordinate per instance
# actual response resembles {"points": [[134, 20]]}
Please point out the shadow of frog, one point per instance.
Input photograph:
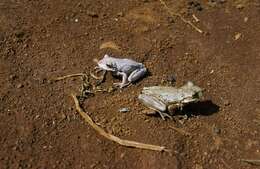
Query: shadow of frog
{"points": [[201, 108]]}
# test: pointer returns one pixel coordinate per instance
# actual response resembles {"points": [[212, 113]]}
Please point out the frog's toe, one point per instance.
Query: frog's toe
{"points": [[163, 115], [121, 85]]}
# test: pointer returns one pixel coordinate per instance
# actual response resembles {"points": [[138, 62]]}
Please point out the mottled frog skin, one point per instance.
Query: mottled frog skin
{"points": [[166, 98]]}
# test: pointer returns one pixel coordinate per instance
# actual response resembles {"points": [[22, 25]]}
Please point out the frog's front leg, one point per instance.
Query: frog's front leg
{"points": [[137, 74], [124, 82], [163, 115]]}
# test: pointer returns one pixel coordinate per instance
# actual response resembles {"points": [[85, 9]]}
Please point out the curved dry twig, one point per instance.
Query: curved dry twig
{"points": [[111, 137]]}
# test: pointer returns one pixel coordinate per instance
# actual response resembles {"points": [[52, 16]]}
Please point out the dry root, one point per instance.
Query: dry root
{"points": [[111, 137]]}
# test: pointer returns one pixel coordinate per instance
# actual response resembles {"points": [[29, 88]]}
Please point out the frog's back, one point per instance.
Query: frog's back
{"points": [[127, 65], [167, 94]]}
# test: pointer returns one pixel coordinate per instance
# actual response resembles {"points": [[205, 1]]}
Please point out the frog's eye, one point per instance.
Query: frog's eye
{"points": [[197, 95], [109, 66]]}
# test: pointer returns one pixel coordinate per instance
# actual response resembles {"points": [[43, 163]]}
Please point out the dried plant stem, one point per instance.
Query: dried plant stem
{"points": [[253, 162], [111, 137], [181, 131], [80, 74], [67, 76], [225, 164], [181, 17]]}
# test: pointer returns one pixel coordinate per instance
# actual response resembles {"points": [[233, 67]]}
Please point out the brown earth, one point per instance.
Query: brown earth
{"points": [[44, 39]]}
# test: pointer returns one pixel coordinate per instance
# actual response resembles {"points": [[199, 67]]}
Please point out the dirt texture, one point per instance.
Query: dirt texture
{"points": [[40, 40]]}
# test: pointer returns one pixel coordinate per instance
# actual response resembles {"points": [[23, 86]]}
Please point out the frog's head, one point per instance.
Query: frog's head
{"points": [[192, 92], [105, 63]]}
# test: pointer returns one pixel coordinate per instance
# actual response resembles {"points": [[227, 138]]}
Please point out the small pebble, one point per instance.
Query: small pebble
{"points": [[216, 130], [20, 85], [92, 14], [120, 14], [245, 19], [124, 110], [226, 103], [12, 77]]}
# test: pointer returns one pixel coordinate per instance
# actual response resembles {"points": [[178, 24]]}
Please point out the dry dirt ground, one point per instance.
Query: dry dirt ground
{"points": [[40, 127]]}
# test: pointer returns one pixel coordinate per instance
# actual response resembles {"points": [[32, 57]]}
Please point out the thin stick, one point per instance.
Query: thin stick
{"points": [[225, 164], [182, 18], [67, 76], [101, 78], [195, 18], [111, 137], [253, 162], [180, 131]]}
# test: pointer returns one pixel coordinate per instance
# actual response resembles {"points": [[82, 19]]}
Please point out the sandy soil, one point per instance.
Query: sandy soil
{"points": [[40, 127]]}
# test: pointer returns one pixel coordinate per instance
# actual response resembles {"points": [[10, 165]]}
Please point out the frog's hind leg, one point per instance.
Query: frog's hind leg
{"points": [[124, 82], [137, 74], [155, 104]]}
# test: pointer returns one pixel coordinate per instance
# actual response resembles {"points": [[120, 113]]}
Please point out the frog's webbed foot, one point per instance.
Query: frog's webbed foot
{"points": [[163, 115]]}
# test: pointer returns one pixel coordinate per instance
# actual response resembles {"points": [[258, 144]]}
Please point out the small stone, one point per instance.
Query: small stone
{"points": [[237, 36], [226, 103], [245, 19], [12, 77], [92, 14], [37, 116], [216, 130], [25, 46], [240, 6], [124, 110], [120, 14], [20, 85], [76, 20]]}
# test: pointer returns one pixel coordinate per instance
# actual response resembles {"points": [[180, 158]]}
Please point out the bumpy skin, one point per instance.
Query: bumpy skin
{"points": [[130, 70], [163, 98]]}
